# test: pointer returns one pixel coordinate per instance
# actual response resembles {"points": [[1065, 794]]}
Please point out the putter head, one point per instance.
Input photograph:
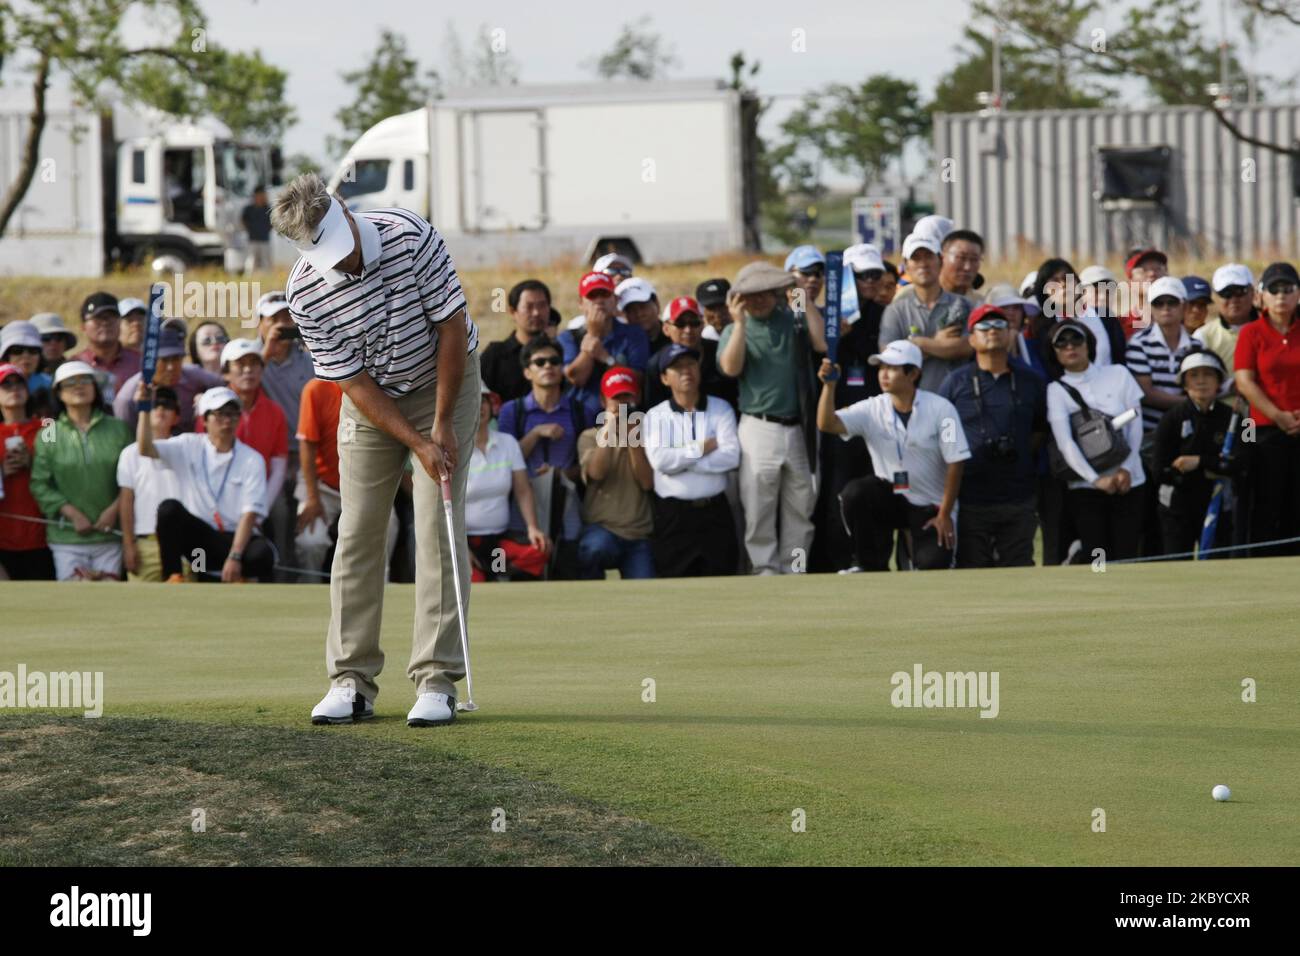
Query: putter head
{"points": [[466, 706]]}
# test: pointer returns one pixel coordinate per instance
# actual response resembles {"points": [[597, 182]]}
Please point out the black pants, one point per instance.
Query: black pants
{"points": [[873, 512], [180, 533], [693, 538], [1275, 491], [1111, 523], [841, 462], [1182, 530], [1054, 519], [36, 564], [996, 536]]}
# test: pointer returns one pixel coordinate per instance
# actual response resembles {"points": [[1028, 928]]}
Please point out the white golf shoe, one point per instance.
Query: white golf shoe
{"points": [[432, 710], [342, 705]]}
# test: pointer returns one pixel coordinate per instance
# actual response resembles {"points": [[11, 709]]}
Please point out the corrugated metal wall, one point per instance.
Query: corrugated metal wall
{"points": [[1028, 179]]}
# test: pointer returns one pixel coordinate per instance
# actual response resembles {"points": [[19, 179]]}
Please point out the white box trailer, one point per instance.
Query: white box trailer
{"points": [[658, 171], [123, 187]]}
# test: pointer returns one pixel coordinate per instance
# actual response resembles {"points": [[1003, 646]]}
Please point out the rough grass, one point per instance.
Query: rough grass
{"points": [[123, 791]]}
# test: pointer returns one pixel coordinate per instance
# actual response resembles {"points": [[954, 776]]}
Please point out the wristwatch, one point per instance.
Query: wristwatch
{"points": [[235, 556]]}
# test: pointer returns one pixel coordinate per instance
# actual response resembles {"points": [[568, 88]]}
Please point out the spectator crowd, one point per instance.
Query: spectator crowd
{"points": [[713, 433]]}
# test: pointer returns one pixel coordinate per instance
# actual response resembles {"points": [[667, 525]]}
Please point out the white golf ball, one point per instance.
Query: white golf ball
{"points": [[1221, 792]]}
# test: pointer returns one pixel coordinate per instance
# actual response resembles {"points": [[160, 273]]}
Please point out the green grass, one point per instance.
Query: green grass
{"points": [[1119, 691]]}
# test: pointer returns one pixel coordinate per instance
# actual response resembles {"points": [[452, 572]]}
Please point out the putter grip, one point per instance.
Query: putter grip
{"points": [[446, 491]]}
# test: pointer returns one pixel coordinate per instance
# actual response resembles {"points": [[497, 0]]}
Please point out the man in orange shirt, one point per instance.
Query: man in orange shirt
{"points": [[318, 479]]}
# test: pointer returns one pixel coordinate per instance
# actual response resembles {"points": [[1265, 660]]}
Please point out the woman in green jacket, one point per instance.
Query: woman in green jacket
{"points": [[74, 478]]}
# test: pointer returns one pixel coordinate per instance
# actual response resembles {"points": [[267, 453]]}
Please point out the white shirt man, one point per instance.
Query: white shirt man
{"points": [[222, 496], [917, 447], [146, 483], [692, 443]]}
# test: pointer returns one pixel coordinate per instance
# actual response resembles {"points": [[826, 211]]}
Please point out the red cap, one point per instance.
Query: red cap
{"points": [[983, 312], [1139, 256], [619, 381], [7, 369], [593, 281], [683, 303]]}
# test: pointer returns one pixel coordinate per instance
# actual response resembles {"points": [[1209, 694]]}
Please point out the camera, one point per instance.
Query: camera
{"points": [[1002, 449]]}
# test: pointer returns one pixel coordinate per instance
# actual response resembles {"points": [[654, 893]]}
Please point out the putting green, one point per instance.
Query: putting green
{"points": [[1119, 691]]}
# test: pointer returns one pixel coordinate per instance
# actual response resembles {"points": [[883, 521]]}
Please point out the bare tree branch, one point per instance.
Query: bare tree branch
{"points": [[31, 146], [1281, 9]]}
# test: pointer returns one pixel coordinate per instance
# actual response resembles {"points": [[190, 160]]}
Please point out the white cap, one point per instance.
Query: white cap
{"points": [[331, 241], [632, 290], [271, 304], [899, 352], [863, 257], [218, 397], [236, 349], [919, 241], [126, 306], [1094, 274], [1002, 295], [1234, 273], [71, 370], [1028, 282], [1201, 358], [610, 259], [936, 226], [1167, 285]]}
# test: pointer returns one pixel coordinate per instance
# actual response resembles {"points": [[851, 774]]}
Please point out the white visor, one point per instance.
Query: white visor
{"points": [[331, 241]]}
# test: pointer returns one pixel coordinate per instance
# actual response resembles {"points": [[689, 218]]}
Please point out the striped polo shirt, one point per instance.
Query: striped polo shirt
{"points": [[1148, 354], [383, 322]]}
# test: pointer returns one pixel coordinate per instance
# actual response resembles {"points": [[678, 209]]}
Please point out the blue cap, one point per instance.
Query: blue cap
{"points": [[801, 257], [676, 351], [1197, 288]]}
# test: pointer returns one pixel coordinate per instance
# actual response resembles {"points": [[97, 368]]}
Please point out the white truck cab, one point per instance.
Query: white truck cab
{"points": [[181, 188]]}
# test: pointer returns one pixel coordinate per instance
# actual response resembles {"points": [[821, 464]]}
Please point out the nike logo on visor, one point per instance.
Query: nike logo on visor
{"points": [[318, 235]]}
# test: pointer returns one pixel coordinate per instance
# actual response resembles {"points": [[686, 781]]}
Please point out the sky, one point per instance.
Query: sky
{"points": [[842, 42]]}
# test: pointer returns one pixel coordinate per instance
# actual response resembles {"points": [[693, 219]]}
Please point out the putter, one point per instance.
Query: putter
{"points": [[467, 705]]}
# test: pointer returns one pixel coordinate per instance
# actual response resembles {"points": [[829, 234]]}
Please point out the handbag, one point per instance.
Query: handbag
{"points": [[1102, 444]]}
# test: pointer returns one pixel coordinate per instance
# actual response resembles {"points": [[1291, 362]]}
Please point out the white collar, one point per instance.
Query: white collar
{"points": [[371, 247]]}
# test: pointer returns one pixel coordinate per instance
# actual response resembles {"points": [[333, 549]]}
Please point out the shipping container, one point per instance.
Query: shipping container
{"points": [[1091, 184]]}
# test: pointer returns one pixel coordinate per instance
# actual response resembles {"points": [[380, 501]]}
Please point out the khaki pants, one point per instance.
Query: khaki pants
{"points": [[775, 480], [370, 467], [146, 547]]}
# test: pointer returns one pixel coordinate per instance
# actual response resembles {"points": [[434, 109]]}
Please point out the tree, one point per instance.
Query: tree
{"points": [[1029, 81], [858, 130], [487, 63], [637, 54], [387, 85], [179, 72]]}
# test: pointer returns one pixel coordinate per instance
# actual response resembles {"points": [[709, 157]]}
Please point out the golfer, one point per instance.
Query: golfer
{"points": [[381, 310]]}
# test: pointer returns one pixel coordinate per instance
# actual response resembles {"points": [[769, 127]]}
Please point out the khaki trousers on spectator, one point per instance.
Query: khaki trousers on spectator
{"points": [[775, 480], [146, 547], [370, 467]]}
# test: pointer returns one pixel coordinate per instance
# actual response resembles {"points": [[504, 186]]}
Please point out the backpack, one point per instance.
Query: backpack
{"points": [[1103, 445]]}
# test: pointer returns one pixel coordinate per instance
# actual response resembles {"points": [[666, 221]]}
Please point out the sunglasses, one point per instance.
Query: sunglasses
{"points": [[24, 350], [1164, 302], [1281, 288], [52, 337], [543, 362], [871, 275], [1234, 291], [989, 325], [77, 381], [688, 323], [813, 272], [1069, 340], [213, 340], [13, 381]]}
